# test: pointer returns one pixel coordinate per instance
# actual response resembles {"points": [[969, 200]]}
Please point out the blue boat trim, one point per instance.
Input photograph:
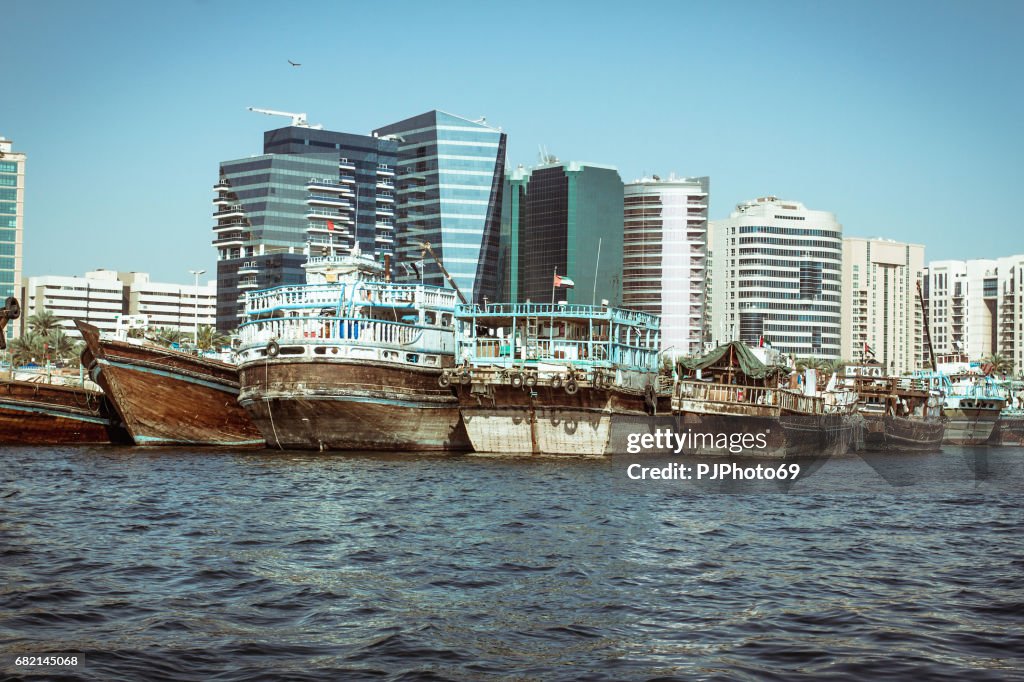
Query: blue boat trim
{"points": [[156, 440], [169, 375]]}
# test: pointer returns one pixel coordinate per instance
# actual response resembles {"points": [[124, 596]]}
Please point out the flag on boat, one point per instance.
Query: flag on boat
{"points": [[762, 342], [563, 282], [330, 226], [867, 350]]}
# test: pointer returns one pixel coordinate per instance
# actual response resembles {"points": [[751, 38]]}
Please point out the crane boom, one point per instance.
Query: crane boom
{"points": [[444, 271], [298, 120]]}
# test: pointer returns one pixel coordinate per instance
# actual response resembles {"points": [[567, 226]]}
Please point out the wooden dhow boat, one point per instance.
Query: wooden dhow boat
{"points": [[168, 397], [350, 361], [731, 392], [36, 413], [553, 378], [900, 414]]}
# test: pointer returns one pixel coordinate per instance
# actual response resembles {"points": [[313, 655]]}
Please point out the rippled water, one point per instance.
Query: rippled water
{"points": [[178, 564]]}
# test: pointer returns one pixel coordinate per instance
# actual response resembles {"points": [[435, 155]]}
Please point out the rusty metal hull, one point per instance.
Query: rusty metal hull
{"points": [[343, 404], [165, 397], [44, 414], [501, 418], [1008, 430], [886, 433], [969, 426]]}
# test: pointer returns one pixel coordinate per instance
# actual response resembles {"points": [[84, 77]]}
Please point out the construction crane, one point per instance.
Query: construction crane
{"points": [[444, 271], [298, 120]]}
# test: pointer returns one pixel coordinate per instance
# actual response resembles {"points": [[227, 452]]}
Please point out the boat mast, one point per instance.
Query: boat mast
{"points": [[426, 248], [927, 331]]}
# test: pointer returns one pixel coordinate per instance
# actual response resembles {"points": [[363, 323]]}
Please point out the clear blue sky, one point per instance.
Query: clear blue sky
{"points": [[905, 119]]}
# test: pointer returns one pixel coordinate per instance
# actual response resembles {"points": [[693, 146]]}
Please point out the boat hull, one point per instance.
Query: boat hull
{"points": [[43, 414], [351, 405], [969, 426], [886, 433], [169, 398], [1008, 430], [784, 435], [504, 419]]}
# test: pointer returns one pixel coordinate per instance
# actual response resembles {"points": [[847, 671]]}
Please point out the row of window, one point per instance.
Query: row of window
{"points": [[792, 231], [8, 166], [802, 243]]}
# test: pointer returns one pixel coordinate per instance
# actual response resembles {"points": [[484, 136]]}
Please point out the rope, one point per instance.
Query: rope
{"points": [[270, 412]]}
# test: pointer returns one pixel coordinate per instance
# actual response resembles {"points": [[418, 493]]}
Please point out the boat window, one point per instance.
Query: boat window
{"points": [[320, 350], [293, 350], [430, 360], [446, 319], [429, 317], [412, 357]]}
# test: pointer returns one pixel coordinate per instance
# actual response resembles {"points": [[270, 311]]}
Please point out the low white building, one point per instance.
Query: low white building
{"points": [[100, 297]]}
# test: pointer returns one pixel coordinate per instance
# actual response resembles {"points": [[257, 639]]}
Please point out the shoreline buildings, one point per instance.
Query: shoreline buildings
{"points": [[564, 218], [12, 214], [881, 314], [776, 278], [449, 181], [102, 296], [309, 191], [664, 267], [975, 308]]}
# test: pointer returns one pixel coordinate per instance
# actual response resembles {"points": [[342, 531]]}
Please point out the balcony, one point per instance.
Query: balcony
{"points": [[230, 225], [325, 185], [386, 211], [325, 200], [229, 211], [385, 239], [386, 170], [248, 269], [386, 198], [348, 179], [384, 183], [345, 164], [233, 239], [247, 283], [221, 199], [317, 227], [222, 186], [325, 214]]}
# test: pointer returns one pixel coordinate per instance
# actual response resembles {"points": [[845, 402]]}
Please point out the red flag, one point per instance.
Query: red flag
{"points": [[330, 226]]}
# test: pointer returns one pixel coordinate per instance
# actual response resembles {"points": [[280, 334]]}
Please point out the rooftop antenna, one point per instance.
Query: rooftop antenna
{"points": [[298, 120]]}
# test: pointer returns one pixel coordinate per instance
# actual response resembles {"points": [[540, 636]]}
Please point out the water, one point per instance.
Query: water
{"points": [[180, 565]]}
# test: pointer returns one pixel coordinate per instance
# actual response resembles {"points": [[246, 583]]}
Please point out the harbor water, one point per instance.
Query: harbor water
{"points": [[181, 564]]}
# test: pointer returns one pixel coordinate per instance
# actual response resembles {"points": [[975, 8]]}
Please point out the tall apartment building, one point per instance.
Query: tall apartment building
{"points": [[776, 276], [975, 307], [567, 219], [880, 305], [310, 191], [12, 215], [664, 256], [449, 194], [102, 296]]}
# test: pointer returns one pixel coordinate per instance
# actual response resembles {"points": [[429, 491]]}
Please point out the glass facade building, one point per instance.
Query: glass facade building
{"points": [[12, 212], [310, 191], [449, 193], [565, 218]]}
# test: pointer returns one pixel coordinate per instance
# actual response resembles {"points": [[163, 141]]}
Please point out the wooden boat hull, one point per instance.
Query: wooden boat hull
{"points": [[969, 426], [44, 414], [886, 433], [1008, 430], [785, 435], [342, 404], [165, 397], [503, 419]]}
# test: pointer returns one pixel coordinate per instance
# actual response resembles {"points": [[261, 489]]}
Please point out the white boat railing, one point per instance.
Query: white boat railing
{"points": [[346, 330]]}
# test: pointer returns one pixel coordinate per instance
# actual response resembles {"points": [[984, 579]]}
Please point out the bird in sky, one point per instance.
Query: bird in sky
{"points": [[294, 63]]}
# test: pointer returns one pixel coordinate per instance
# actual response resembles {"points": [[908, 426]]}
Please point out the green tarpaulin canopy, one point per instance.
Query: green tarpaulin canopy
{"points": [[742, 358]]}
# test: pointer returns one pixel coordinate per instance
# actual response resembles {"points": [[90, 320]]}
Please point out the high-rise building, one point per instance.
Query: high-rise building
{"points": [[102, 296], [567, 219], [12, 231], [664, 256], [776, 277], [449, 194], [974, 308], [881, 314], [309, 192]]}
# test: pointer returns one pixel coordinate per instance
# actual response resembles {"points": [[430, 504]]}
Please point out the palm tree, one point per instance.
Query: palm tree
{"points": [[62, 346], [165, 336], [25, 349], [43, 322], [1000, 363], [210, 339]]}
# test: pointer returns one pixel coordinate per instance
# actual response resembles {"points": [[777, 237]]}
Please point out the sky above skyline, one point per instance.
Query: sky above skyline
{"points": [[902, 119]]}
